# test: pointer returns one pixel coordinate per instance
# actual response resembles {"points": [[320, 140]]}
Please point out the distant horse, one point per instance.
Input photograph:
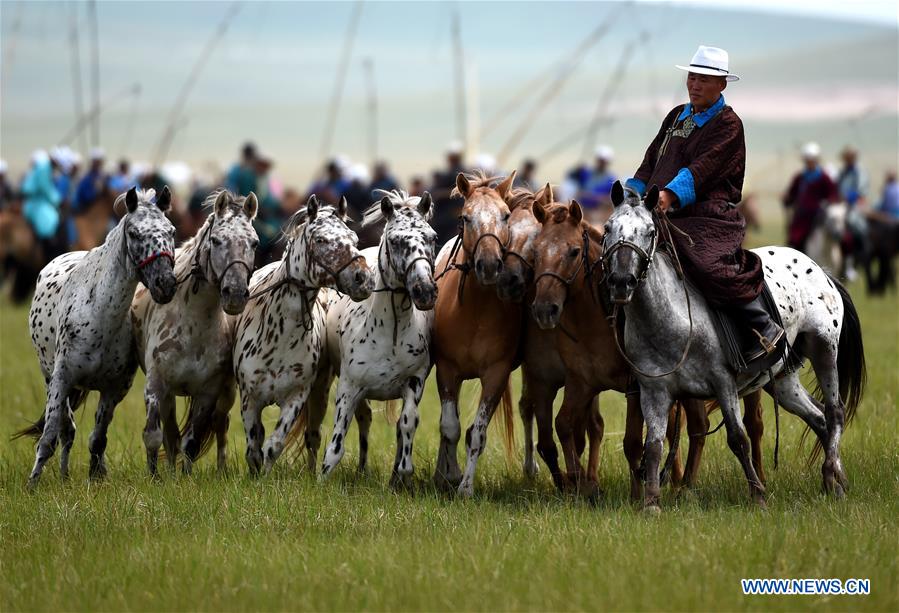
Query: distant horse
{"points": [[883, 246], [825, 240], [280, 336], [379, 347], [21, 254], [476, 335], [674, 346], [184, 346], [93, 223], [79, 323]]}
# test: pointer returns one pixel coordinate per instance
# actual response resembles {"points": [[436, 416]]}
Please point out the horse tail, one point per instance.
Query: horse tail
{"points": [[852, 372], [390, 411], [204, 425], [298, 431], [36, 429], [508, 421]]}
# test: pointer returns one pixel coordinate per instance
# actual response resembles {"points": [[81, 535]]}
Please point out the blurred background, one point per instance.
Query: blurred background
{"points": [[287, 98]]}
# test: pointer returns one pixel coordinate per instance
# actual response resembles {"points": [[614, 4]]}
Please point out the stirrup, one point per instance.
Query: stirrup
{"points": [[768, 346]]}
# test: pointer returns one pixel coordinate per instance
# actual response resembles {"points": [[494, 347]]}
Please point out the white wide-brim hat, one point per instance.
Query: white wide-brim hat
{"points": [[710, 61]]}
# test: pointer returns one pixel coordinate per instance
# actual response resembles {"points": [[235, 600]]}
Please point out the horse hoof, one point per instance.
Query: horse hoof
{"points": [[531, 469], [97, 471], [652, 510], [31, 485], [446, 483], [401, 482], [466, 490]]}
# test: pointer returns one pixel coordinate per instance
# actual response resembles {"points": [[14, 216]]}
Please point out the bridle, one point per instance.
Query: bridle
{"points": [[465, 267], [662, 221], [147, 260], [197, 270], [406, 302]]}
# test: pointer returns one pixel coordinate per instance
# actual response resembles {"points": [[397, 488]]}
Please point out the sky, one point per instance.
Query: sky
{"points": [[810, 70]]}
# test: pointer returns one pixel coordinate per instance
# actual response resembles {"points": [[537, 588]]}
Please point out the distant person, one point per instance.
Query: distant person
{"points": [[42, 200], [527, 175], [333, 184], [446, 208], [595, 196], [241, 178], [6, 190], [574, 182], [417, 185], [64, 178], [92, 184], [852, 181], [809, 191], [359, 196], [889, 202], [270, 218], [382, 179], [121, 180]]}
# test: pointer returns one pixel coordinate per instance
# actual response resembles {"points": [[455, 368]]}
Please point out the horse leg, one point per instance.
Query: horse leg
{"points": [[347, 399], [251, 416], [57, 392], [739, 442], [198, 429], [109, 400], [595, 430], [447, 474], [316, 407], [154, 392], [793, 396], [542, 397], [697, 426], [363, 421], [755, 428], [824, 360], [67, 433], [526, 411], [577, 396], [633, 444], [677, 469], [221, 422], [171, 435], [493, 384], [405, 432], [654, 404], [274, 444]]}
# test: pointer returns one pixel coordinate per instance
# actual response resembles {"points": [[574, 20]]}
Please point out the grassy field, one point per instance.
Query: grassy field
{"points": [[286, 542]]}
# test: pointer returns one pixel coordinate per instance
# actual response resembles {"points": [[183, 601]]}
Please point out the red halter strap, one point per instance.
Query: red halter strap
{"points": [[155, 256]]}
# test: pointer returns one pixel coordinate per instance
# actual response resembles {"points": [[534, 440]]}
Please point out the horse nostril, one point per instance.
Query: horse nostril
{"points": [[631, 281], [246, 293], [554, 309], [360, 277], [479, 266]]}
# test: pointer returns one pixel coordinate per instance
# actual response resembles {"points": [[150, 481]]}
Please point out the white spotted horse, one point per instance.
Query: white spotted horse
{"points": [[674, 348], [280, 336], [380, 347], [79, 323], [184, 346]]}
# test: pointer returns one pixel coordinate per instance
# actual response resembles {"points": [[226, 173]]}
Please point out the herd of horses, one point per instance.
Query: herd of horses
{"points": [[527, 282]]}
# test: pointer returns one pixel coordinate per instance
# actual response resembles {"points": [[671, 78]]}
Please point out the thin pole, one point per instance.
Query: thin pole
{"points": [[9, 53], [131, 121], [89, 117], [337, 94], [605, 98], [369, 66], [95, 70], [76, 70], [168, 134], [459, 65]]}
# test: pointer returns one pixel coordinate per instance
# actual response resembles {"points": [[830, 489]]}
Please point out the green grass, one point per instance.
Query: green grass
{"points": [[287, 542]]}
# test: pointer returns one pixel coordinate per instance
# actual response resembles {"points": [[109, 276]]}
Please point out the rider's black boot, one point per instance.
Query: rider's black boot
{"points": [[765, 336]]}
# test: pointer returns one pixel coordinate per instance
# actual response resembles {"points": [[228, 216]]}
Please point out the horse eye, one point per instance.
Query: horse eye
{"points": [[254, 243], [573, 252], [506, 216], [466, 218], [216, 241]]}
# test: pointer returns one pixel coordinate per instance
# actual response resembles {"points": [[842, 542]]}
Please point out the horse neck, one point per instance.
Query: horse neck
{"points": [[296, 266], [652, 304], [194, 252], [384, 304], [116, 275]]}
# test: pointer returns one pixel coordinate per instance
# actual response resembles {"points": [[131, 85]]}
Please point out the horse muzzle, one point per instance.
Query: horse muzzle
{"points": [[510, 286], [424, 295], [621, 287], [488, 269], [546, 314], [159, 277], [234, 298], [357, 282]]}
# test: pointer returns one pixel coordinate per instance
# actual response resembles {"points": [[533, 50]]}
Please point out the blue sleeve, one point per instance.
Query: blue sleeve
{"points": [[682, 186], [637, 185]]}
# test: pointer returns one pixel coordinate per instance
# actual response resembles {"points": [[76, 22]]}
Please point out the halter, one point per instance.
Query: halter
{"points": [[197, 271], [147, 260], [584, 263], [465, 267], [647, 258]]}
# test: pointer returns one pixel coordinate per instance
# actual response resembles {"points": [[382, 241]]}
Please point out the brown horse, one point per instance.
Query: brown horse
{"points": [[93, 224], [21, 254], [476, 335], [567, 298]]}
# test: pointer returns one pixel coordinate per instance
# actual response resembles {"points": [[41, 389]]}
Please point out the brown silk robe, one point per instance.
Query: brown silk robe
{"points": [[715, 154]]}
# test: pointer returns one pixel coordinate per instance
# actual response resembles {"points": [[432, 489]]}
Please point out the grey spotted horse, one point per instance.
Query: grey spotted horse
{"points": [[184, 346], [280, 336], [79, 323], [674, 349], [380, 347]]}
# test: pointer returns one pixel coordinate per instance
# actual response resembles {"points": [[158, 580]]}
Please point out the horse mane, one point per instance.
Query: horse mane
{"points": [[521, 197], [400, 199], [294, 226], [476, 178]]}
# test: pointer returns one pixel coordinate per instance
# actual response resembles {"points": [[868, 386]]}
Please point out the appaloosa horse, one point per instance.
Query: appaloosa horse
{"points": [[674, 348], [380, 347], [280, 336], [184, 346], [79, 323], [476, 335]]}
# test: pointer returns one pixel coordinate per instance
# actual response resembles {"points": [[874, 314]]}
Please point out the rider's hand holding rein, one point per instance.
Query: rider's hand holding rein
{"points": [[667, 200]]}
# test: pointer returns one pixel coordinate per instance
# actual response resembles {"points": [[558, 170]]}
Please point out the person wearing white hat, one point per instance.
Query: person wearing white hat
{"points": [[809, 190], [698, 160]]}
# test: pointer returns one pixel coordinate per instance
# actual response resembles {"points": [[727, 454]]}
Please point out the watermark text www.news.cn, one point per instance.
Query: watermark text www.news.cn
{"points": [[810, 587]]}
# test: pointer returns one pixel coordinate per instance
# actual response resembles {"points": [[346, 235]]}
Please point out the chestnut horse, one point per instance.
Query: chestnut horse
{"points": [[476, 335], [567, 251]]}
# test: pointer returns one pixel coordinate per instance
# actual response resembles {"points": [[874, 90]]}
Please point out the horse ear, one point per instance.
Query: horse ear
{"points": [[164, 202], [221, 202], [131, 200], [387, 208], [545, 196], [463, 185], [311, 207], [595, 233], [575, 212], [506, 186], [251, 205], [425, 204], [617, 193], [652, 198], [342, 207], [539, 212]]}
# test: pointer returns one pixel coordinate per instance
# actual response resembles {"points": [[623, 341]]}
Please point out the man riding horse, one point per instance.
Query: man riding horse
{"points": [[698, 160]]}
